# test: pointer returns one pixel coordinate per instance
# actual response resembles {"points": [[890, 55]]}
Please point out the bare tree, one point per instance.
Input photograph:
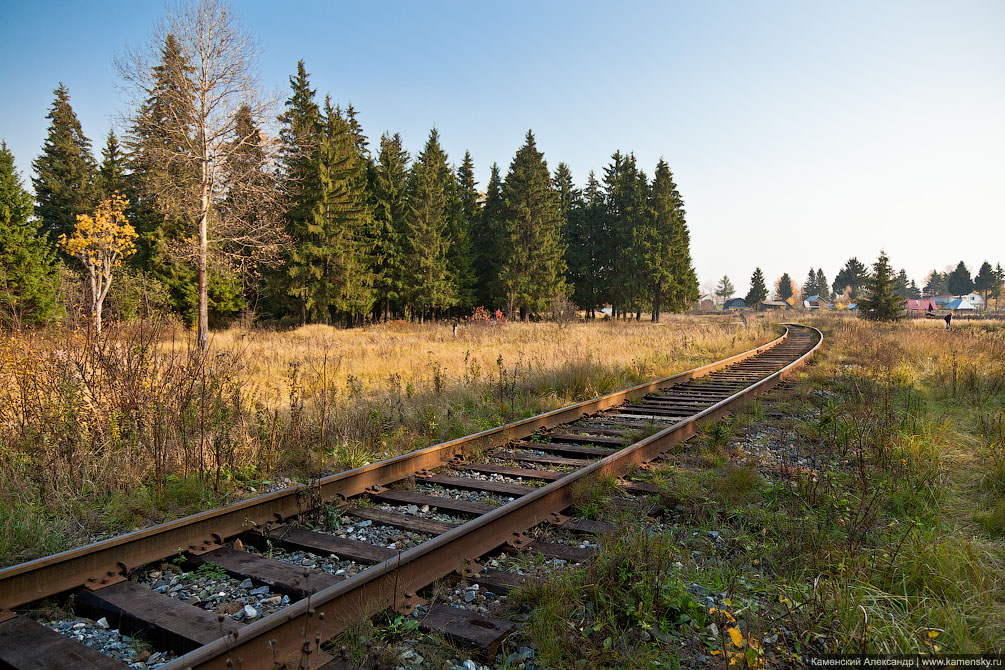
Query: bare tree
{"points": [[214, 87]]}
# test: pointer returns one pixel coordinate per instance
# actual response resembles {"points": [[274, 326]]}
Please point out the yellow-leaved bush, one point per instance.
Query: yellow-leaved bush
{"points": [[101, 242]]}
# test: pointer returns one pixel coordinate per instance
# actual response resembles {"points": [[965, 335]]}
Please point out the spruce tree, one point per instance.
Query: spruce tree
{"points": [[685, 279], [784, 291], [810, 287], [164, 196], [532, 272], [568, 195], [583, 245], [463, 212], [914, 292], [486, 242], [64, 173], [758, 292], [390, 187], [823, 287], [300, 145], [360, 142], [111, 177], [431, 283], [853, 275], [725, 289], [470, 204], [249, 209], [902, 286], [28, 278], [663, 243], [356, 231], [984, 281], [627, 195], [959, 282], [935, 284], [570, 205], [999, 283], [336, 254], [881, 302], [616, 232]]}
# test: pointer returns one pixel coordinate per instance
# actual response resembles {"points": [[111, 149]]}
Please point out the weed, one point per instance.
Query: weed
{"points": [[590, 495], [993, 521], [398, 628], [717, 433], [600, 614], [209, 571], [332, 516], [738, 483]]}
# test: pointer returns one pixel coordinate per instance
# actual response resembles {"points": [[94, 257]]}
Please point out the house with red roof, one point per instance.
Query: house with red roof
{"points": [[920, 305]]}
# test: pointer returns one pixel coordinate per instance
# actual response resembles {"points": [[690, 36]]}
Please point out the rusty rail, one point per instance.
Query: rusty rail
{"points": [[293, 636], [111, 560]]}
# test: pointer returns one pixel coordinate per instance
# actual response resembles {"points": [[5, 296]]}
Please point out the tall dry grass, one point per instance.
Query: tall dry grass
{"points": [[367, 358], [135, 425]]}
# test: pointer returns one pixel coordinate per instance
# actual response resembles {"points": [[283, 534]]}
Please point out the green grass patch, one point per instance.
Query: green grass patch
{"points": [[608, 613]]}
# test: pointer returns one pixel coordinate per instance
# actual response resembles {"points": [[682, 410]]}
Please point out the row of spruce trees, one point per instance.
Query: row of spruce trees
{"points": [[852, 283], [366, 233]]}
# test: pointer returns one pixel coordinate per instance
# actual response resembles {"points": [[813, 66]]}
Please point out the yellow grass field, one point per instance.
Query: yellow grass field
{"points": [[101, 435], [379, 358]]}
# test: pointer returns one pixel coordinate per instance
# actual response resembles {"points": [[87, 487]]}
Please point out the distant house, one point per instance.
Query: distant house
{"points": [[920, 305], [941, 300], [769, 305], [735, 303], [960, 305], [974, 299], [706, 303], [816, 302]]}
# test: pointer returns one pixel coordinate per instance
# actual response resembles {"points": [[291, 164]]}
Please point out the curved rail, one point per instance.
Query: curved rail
{"points": [[292, 637], [306, 624], [110, 560]]}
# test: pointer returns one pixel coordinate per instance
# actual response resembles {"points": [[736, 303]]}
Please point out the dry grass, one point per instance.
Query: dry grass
{"points": [[101, 435], [864, 514], [376, 358]]}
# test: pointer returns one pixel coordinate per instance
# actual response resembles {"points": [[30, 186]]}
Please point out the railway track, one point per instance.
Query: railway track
{"points": [[393, 529]]}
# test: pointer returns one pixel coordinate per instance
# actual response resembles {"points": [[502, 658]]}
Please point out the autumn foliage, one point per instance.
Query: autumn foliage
{"points": [[101, 242]]}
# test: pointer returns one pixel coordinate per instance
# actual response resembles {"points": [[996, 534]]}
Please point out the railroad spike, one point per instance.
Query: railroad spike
{"points": [[518, 541], [471, 568], [558, 519]]}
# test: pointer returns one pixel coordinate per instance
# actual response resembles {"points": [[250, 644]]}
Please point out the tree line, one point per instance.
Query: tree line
{"points": [[312, 224], [852, 283]]}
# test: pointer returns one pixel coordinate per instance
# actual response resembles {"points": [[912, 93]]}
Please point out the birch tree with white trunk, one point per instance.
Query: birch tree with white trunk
{"points": [[216, 77]]}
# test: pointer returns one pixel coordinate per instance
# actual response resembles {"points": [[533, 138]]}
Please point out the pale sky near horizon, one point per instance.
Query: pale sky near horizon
{"points": [[800, 133]]}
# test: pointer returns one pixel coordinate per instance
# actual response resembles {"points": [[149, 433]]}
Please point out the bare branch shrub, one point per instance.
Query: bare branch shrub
{"points": [[209, 175]]}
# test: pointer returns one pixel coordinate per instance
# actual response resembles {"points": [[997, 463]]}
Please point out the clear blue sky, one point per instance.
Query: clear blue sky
{"points": [[800, 133]]}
